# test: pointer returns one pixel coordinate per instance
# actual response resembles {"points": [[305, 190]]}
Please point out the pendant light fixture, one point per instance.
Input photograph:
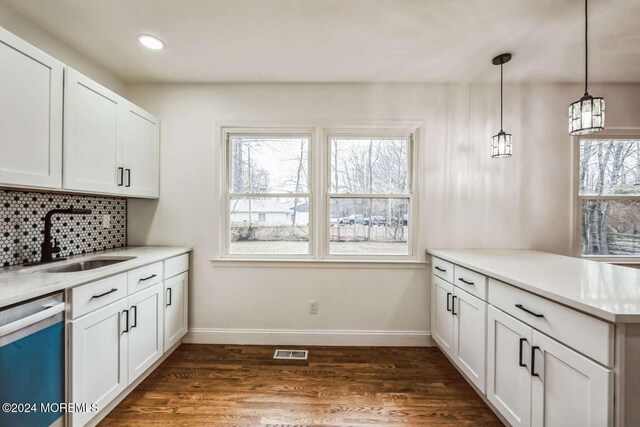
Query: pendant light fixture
{"points": [[586, 115], [501, 142]]}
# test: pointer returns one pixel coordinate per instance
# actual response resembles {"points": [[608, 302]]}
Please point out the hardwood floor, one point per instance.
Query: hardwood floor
{"points": [[223, 385]]}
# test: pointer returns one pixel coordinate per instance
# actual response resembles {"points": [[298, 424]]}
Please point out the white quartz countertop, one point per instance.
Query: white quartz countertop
{"points": [[21, 283], [606, 291]]}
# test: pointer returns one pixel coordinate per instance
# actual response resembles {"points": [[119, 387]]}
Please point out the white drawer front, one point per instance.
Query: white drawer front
{"points": [[143, 277], [470, 281], [176, 265], [443, 269], [98, 294], [584, 333]]}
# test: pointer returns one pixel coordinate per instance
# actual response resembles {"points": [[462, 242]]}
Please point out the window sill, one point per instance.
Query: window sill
{"points": [[316, 263], [628, 259]]}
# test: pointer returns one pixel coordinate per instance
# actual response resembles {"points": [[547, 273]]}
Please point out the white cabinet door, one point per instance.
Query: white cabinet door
{"points": [[98, 358], [469, 333], [508, 362], [30, 115], [93, 133], [567, 388], [145, 329], [175, 309], [141, 152], [442, 319]]}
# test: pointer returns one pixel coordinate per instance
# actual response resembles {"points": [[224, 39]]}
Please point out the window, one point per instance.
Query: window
{"points": [[609, 196], [369, 196], [268, 194], [357, 205]]}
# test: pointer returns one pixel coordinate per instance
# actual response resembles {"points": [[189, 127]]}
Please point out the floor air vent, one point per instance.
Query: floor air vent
{"points": [[291, 354]]}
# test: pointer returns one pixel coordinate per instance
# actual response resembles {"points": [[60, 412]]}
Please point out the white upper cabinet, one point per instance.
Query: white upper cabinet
{"points": [[111, 145], [31, 110], [93, 117], [141, 153]]}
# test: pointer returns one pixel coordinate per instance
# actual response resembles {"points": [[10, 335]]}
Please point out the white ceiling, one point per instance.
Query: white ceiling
{"points": [[347, 40]]}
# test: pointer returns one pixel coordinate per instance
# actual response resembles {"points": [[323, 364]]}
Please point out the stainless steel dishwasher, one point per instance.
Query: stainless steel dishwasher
{"points": [[32, 363]]}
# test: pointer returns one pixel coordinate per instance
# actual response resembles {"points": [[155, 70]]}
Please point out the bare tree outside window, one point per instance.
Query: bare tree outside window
{"points": [[609, 193], [269, 194], [369, 196]]}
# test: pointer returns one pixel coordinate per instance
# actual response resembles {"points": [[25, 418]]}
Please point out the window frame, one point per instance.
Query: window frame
{"points": [[359, 133], [319, 167], [611, 134], [228, 194]]}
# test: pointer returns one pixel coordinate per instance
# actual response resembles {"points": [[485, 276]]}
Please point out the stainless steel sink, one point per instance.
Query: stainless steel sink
{"points": [[90, 264]]}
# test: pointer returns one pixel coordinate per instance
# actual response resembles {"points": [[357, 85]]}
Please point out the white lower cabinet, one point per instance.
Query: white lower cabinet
{"points": [[175, 309], [112, 346], [553, 386], [459, 328], [567, 388], [508, 361], [145, 330], [469, 333], [99, 358], [442, 319], [539, 363]]}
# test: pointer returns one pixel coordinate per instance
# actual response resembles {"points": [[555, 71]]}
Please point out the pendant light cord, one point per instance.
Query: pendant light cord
{"points": [[501, 102], [586, 47]]}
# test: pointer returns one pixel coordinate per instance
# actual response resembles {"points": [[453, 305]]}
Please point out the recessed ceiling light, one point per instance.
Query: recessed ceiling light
{"points": [[152, 42]]}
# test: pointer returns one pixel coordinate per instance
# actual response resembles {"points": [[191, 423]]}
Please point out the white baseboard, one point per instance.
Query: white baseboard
{"points": [[309, 337]]}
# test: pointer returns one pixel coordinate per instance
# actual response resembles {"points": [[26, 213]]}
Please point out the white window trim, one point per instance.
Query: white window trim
{"points": [[611, 133], [355, 132], [319, 168], [227, 133]]}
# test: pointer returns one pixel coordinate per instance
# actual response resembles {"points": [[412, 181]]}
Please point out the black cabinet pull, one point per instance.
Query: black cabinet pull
{"points": [[169, 303], [121, 177], [528, 311], [126, 329], [135, 316], [147, 278], [448, 301], [520, 362], [104, 294], [128, 178], [444, 270], [453, 305], [533, 360], [465, 282]]}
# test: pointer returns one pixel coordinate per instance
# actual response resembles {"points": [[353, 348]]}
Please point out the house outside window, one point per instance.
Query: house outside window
{"points": [[319, 193]]}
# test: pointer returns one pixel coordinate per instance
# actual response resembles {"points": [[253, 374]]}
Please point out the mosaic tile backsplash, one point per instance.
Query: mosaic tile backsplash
{"points": [[22, 225]]}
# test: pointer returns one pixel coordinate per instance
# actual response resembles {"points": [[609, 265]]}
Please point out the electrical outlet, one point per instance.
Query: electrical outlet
{"points": [[106, 221], [313, 306]]}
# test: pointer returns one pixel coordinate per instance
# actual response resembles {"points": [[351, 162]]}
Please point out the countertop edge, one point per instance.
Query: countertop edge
{"points": [[570, 303], [116, 269]]}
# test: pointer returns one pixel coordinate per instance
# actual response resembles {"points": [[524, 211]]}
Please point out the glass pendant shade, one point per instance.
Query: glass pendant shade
{"points": [[586, 115], [501, 145]]}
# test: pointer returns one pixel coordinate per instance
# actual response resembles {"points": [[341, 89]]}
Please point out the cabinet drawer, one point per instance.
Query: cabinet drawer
{"points": [[443, 269], [470, 281], [586, 334], [143, 277], [98, 294], [176, 265]]}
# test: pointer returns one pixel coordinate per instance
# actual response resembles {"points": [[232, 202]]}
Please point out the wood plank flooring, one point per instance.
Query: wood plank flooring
{"points": [[224, 385]]}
